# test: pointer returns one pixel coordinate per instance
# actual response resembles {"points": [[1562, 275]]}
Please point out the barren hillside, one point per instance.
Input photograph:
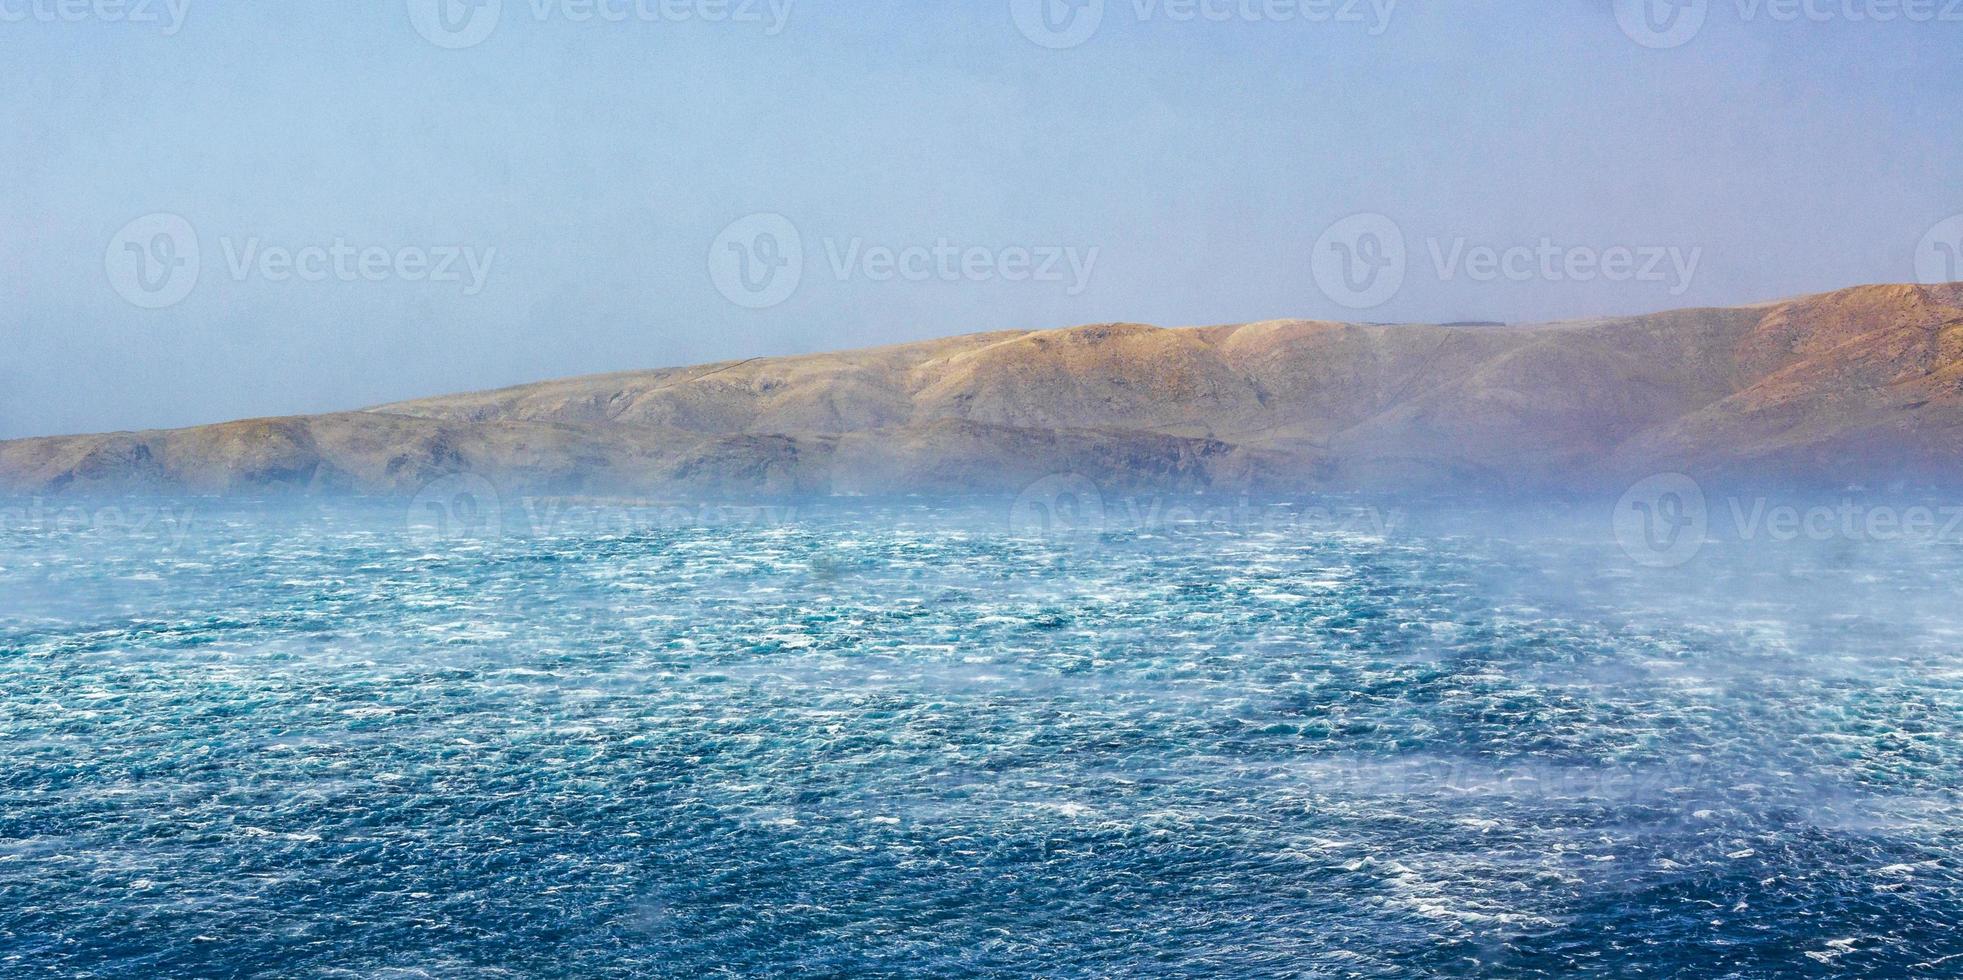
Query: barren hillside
{"points": [[1861, 385]]}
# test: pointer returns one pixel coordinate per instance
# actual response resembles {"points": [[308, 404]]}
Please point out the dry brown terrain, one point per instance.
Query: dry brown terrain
{"points": [[1863, 385]]}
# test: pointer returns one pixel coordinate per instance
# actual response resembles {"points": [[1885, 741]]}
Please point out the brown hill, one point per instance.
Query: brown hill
{"points": [[1862, 385]]}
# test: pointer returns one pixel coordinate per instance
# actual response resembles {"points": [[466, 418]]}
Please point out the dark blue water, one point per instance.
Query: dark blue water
{"points": [[906, 741]]}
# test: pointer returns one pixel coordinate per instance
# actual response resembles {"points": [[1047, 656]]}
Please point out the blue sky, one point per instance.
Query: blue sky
{"points": [[379, 215]]}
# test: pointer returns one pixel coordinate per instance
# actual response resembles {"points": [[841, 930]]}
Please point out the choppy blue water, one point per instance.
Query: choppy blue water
{"points": [[905, 741]]}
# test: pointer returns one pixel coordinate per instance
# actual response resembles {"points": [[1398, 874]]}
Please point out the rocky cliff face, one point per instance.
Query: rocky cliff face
{"points": [[1862, 385]]}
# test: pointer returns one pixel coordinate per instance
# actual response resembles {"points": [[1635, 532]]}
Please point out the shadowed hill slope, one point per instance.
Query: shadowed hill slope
{"points": [[1860, 385]]}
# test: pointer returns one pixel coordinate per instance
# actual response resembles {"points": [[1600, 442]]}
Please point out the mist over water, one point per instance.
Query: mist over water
{"points": [[1311, 737]]}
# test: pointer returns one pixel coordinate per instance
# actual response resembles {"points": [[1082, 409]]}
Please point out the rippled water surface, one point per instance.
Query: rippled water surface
{"points": [[902, 740]]}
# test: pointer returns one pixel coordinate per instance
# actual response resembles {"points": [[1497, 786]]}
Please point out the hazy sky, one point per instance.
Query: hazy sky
{"points": [[219, 210]]}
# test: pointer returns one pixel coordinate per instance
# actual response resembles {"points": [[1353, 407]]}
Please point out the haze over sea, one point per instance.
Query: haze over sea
{"points": [[1312, 738]]}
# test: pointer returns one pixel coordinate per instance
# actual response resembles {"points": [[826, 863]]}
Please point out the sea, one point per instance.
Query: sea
{"points": [[1155, 736]]}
